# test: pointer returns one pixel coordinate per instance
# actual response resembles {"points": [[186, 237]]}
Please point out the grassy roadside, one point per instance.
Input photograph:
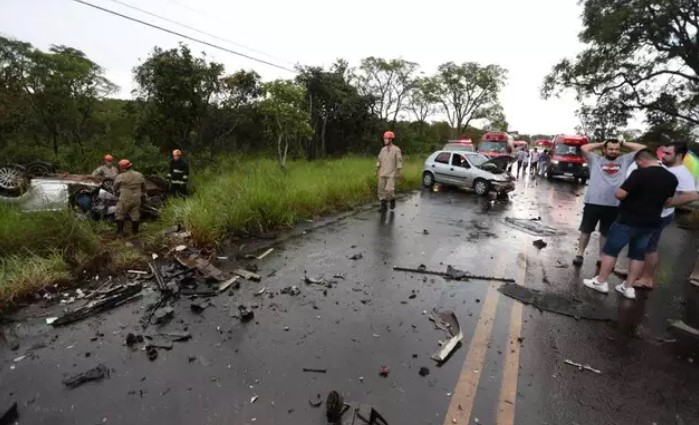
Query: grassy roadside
{"points": [[252, 196]]}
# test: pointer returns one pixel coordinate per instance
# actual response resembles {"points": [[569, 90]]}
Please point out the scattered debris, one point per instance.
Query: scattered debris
{"points": [[10, 415], [246, 313], [452, 273], [539, 243], [291, 290], [133, 339], [162, 287], [19, 359], [264, 254], [227, 284], [384, 371], [424, 371], [97, 373], [582, 367], [245, 274], [261, 292], [334, 407], [151, 352], [252, 268], [163, 315], [531, 227], [447, 322], [425, 232], [253, 399], [368, 415], [305, 369], [317, 402], [412, 295], [198, 306], [177, 336], [560, 304], [51, 320], [112, 298], [681, 326], [357, 256]]}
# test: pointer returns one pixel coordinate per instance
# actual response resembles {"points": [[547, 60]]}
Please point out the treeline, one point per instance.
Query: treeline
{"points": [[56, 105]]}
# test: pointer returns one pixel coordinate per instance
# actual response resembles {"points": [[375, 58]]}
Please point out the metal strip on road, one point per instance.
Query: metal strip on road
{"points": [[464, 394], [510, 374]]}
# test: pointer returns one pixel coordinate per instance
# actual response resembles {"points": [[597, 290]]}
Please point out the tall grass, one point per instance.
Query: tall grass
{"points": [[257, 196]]}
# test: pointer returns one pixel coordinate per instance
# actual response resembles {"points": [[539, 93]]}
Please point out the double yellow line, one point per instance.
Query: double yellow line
{"points": [[461, 405]]}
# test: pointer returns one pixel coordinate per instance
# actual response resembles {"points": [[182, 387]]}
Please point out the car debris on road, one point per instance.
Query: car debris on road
{"points": [[452, 273], [582, 366], [447, 322], [10, 415], [97, 373], [110, 298]]}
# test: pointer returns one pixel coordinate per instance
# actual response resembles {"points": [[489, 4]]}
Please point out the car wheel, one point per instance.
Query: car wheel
{"points": [[583, 182], [427, 179], [40, 168], [481, 187], [12, 178]]}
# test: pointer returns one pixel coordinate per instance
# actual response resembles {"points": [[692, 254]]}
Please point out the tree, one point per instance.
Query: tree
{"points": [[284, 119], [389, 82], [605, 119], [423, 99], [644, 52], [175, 92], [60, 88], [469, 91]]}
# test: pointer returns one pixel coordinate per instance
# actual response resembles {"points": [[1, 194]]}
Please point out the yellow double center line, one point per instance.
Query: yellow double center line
{"points": [[461, 404]]}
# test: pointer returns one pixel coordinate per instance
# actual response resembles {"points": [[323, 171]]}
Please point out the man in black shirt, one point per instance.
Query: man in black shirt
{"points": [[642, 197]]}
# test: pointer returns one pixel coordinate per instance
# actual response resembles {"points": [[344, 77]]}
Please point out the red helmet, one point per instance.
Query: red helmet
{"points": [[125, 164], [108, 157], [389, 135]]}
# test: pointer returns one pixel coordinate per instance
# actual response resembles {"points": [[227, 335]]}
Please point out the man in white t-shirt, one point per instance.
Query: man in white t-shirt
{"points": [[673, 155]]}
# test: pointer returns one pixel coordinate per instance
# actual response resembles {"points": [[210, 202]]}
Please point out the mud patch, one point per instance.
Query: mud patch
{"points": [[559, 304]]}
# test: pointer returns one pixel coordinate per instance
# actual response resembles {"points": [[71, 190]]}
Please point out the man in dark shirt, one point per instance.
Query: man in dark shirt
{"points": [[643, 196], [179, 174]]}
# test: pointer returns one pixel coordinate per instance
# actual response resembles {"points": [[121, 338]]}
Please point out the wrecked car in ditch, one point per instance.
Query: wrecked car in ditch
{"points": [[468, 170], [92, 197]]}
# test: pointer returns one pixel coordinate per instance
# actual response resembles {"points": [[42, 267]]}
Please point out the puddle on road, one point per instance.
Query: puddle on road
{"points": [[532, 227]]}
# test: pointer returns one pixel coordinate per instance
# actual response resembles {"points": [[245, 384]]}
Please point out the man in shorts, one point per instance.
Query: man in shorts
{"points": [[643, 196], [672, 158], [607, 173]]}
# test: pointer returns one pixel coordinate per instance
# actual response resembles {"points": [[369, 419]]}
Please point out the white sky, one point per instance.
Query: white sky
{"points": [[526, 37]]}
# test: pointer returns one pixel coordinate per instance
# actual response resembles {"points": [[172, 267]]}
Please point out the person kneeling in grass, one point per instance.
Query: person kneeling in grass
{"points": [[643, 196]]}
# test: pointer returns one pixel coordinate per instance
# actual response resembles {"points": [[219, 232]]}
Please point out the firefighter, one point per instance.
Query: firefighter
{"points": [[388, 168], [106, 171], [178, 177], [130, 188]]}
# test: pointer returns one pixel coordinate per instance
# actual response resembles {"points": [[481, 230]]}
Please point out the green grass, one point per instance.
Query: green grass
{"points": [[232, 195], [257, 196]]}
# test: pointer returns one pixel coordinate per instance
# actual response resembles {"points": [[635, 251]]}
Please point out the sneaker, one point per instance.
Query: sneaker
{"points": [[577, 261], [629, 293], [596, 285]]}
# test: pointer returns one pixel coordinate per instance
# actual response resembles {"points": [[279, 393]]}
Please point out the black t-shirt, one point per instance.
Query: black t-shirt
{"points": [[648, 190]]}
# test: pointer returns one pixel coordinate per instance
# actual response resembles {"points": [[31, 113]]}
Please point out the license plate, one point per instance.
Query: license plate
{"points": [[568, 174]]}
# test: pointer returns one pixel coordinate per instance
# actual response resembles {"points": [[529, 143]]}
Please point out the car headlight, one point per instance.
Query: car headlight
{"points": [[554, 162], [585, 165]]}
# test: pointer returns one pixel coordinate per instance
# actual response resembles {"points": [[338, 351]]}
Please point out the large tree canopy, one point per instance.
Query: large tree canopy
{"points": [[644, 53]]}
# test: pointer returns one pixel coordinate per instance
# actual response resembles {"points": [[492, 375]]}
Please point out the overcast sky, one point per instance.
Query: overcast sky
{"points": [[526, 37]]}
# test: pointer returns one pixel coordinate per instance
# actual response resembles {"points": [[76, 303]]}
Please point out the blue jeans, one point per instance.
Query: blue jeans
{"points": [[637, 238], [655, 237]]}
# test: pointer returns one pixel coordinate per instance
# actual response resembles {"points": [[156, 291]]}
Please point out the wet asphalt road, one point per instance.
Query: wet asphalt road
{"points": [[510, 368]]}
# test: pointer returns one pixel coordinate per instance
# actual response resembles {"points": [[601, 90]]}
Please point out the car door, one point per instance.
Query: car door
{"points": [[441, 168], [460, 170]]}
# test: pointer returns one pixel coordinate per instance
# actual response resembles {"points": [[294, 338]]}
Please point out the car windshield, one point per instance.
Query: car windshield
{"points": [[492, 146], [562, 149], [477, 160]]}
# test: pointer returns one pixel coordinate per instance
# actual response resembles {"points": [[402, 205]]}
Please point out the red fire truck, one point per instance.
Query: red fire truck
{"points": [[495, 144], [567, 159]]}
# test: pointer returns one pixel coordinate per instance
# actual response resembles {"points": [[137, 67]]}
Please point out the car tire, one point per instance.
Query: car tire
{"points": [[40, 168], [481, 187], [428, 179], [13, 179], [583, 182]]}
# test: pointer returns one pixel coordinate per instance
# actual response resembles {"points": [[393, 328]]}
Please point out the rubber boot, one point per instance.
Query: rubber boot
{"points": [[393, 204], [134, 226], [120, 228], [383, 206]]}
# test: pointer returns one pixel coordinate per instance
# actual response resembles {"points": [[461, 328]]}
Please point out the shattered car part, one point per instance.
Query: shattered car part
{"points": [[447, 322], [560, 304], [291, 290], [227, 284], [305, 369], [540, 244], [582, 367], [264, 254], [116, 297], [317, 402], [203, 266], [334, 407], [10, 416], [534, 228], [357, 256], [454, 272], [198, 306], [97, 373], [424, 371], [246, 313], [245, 274], [163, 315]]}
